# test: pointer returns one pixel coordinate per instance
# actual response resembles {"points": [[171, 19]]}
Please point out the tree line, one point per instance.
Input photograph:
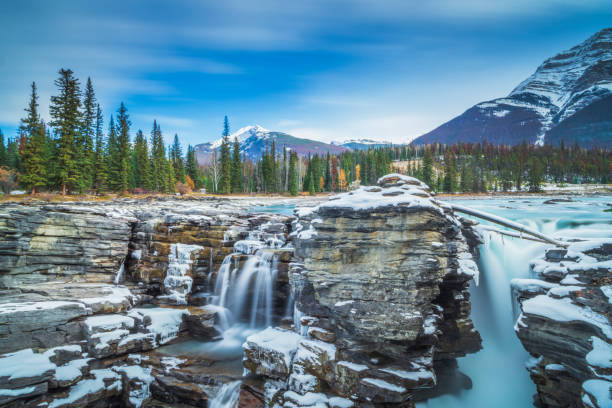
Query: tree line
{"points": [[73, 154]]}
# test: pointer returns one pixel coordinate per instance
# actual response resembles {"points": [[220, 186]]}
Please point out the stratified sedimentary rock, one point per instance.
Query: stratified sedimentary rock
{"points": [[380, 281], [566, 324]]}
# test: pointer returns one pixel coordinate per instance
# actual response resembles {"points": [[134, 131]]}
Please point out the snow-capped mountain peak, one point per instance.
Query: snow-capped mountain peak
{"points": [[243, 134]]}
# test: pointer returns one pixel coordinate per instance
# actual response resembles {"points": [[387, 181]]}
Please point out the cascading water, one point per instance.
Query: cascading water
{"points": [[227, 396], [498, 373], [242, 294]]}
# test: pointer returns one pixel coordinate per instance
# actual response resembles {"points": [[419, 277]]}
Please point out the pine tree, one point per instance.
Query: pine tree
{"points": [[191, 166], [159, 177], [122, 157], [293, 181], [88, 132], [427, 170], [66, 119], [226, 166], [236, 168], [141, 161], [3, 160], [111, 175], [176, 156], [100, 160], [33, 153]]}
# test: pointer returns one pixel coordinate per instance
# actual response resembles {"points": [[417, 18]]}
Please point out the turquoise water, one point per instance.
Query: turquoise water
{"points": [[499, 378]]}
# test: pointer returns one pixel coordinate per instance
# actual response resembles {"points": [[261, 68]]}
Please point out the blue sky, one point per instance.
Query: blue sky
{"points": [[323, 69]]}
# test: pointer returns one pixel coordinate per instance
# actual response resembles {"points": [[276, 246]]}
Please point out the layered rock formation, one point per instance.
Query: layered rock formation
{"points": [[81, 286], [380, 281], [565, 324]]}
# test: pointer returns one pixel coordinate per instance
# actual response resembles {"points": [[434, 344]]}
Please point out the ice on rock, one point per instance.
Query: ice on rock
{"points": [[467, 266], [177, 284], [384, 385], [353, 366], [72, 370], [273, 344], [139, 380]]}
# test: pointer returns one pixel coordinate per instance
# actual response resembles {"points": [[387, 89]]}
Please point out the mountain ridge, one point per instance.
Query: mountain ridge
{"points": [[561, 87]]}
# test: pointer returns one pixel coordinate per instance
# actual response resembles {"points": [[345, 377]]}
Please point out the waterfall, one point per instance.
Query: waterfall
{"points": [[227, 396], [255, 279], [249, 288], [177, 284], [119, 275]]}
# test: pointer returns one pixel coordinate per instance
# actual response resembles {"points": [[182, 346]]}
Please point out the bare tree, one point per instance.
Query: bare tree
{"points": [[214, 169]]}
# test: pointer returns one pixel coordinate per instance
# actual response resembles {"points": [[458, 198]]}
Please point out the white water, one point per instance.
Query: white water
{"points": [[499, 377], [119, 275], [227, 396]]}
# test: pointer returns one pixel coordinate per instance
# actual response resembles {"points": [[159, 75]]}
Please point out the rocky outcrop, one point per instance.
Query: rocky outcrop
{"points": [[380, 281], [565, 324]]}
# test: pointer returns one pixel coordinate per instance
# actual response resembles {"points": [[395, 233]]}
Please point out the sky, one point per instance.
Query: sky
{"points": [[321, 69]]}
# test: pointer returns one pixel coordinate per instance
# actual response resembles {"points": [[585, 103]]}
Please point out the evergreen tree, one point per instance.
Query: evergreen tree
{"points": [[3, 159], [66, 119], [226, 165], [534, 174], [427, 170], [176, 156], [192, 168], [100, 160], [293, 180], [122, 154], [159, 178], [236, 168], [86, 140], [13, 158], [141, 161], [112, 149], [33, 154]]}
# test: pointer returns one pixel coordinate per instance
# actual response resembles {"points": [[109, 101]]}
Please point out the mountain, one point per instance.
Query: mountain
{"points": [[253, 141], [362, 144], [567, 98]]}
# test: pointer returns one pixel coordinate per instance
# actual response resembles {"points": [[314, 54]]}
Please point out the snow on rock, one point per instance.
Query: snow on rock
{"points": [[597, 393], [270, 352], [565, 310], [165, 323], [467, 266], [25, 365], [105, 383], [353, 366], [108, 322]]}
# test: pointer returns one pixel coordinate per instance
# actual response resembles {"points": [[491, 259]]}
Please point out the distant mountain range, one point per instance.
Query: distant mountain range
{"points": [[254, 139], [569, 98]]}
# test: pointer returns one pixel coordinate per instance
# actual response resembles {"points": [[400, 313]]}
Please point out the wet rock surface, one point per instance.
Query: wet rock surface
{"points": [[566, 324]]}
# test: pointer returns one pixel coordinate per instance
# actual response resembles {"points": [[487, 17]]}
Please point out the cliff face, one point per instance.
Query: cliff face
{"points": [[565, 325], [380, 281]]}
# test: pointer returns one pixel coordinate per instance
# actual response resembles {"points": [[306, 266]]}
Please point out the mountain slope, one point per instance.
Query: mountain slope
{"points": [[560, 88], [254, 139]]}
